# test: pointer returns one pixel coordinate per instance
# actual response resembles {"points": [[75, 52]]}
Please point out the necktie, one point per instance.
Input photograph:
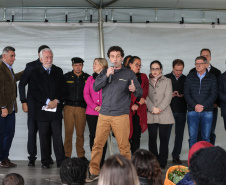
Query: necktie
{"points": [[48, 71]]}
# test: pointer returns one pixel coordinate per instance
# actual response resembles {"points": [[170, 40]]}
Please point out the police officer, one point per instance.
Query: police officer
{"points": [[75, 107]]}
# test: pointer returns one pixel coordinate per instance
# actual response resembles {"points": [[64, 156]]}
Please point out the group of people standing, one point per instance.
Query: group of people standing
{"points": [[118, 99]]}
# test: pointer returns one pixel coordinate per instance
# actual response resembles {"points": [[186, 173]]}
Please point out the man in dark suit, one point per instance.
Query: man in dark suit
{"points": [[28, 106], [205, 52], [8, 105], [47, 89]]}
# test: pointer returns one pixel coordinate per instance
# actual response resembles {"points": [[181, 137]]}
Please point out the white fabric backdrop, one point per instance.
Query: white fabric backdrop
{"points": [[164, 42]]}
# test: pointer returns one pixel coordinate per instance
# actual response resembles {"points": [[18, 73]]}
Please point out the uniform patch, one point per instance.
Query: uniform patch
{"points": [[70, 82]]}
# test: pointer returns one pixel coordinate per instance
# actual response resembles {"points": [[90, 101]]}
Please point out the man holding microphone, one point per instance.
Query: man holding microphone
{"points": [[116, 83]]}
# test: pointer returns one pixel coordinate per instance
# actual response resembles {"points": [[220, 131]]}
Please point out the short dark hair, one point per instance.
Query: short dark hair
{"points": [[115, 48], [73, 170], [7, 49], [125, 62], [156, 62], [201, 58], [178, 62], [205, 49], [13, 179], [131, 60], [147, 166], [42, 47]]}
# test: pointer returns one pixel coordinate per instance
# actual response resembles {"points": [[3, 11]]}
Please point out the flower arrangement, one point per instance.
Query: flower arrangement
{"points": [[177, 174]]}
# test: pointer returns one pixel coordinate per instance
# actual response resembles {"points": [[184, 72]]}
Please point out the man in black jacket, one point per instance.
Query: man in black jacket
{"points": [[178, 106], [28, 107], [207, 54], [200, 92], [47, 89]]}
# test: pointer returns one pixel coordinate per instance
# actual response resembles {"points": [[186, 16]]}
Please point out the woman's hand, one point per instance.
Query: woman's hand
{"points": [[156, 110]]}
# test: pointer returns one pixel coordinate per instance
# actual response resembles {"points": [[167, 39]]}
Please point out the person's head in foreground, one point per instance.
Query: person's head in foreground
{"points": [[147, 167], [117, 170], [13, 179], [73, 171], [208, 166]]}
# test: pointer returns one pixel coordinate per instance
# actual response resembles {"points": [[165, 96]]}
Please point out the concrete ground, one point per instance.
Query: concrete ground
{"points": [[38, 176]]}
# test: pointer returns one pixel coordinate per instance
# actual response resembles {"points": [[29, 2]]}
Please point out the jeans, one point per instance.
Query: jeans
{"points": [[7, 130], [180, 120], [212, 133], [204, 118]]}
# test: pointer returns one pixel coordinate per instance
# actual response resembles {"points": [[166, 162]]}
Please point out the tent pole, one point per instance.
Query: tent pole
{"points": [[102, 55]]}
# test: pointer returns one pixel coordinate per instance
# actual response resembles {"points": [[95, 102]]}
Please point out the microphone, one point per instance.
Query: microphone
{"points": [[110, 76]]}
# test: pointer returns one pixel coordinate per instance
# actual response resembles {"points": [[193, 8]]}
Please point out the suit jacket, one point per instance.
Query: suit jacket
{"points": [[25, 79], [44, 86], [8, 87]]}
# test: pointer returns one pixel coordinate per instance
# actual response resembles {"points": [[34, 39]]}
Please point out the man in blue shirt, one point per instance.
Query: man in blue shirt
{"points": [[200, 92]]}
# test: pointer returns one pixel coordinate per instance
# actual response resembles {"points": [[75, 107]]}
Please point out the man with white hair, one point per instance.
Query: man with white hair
{"points": [[47, 89]]}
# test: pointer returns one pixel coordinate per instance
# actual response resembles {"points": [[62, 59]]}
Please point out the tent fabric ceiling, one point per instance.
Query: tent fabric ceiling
{"points": [[168, 4]]}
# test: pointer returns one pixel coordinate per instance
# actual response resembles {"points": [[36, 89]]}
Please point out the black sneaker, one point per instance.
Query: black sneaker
{"points": [[91, 177], [177, 160], [31, 163]]}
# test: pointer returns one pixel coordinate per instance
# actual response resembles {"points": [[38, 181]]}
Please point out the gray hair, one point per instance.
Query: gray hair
{"points": [[7, 49], [45, 49], [201, 58]]}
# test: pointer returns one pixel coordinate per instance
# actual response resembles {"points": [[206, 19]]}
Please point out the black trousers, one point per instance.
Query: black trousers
{"points": [[92, 124], [32, 132], [162, 155], [46, 131], [135, 140]]}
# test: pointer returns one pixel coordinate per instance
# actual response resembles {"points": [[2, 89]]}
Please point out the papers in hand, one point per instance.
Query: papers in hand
{"points": [[50, 110]]}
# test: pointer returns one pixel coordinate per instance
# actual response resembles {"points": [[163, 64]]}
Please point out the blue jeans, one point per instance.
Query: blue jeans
{"points": [[7, 130], [180, 120], [204, 118]]}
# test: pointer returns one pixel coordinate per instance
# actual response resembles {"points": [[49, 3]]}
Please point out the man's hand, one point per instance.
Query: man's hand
{"points": [[156, 110], [198, 108], [4, 112], [134, 107], [25, 107], [142, 101], [52, 104], [110, 71], [132, 87], [97, 108]]}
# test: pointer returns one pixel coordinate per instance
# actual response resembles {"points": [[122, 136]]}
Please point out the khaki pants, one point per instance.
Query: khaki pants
{"points": [[74, 117], [120, 125]]}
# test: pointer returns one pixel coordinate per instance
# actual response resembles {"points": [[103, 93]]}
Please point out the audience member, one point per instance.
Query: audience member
{"points": [[94, 101], [160, 115], [13, 179], [75, 108], [118, 170], [200, 92], [73, 171], [178, 106], [196, 147], [208, 166], [222, 96], [138, 113], [147, 167], [8, 104]]}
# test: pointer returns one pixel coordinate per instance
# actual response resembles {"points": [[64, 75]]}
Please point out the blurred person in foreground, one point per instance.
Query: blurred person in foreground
{"points": [[118, 170], [13, 179]]}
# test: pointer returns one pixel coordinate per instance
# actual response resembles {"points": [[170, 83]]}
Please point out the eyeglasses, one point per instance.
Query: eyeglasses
{"points": [[137, 65], [199, 64], [155, 69]]}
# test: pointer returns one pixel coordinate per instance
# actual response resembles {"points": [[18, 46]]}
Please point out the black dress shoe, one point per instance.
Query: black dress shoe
{"points": [[31, 163], [45, 166], [177, 160]]}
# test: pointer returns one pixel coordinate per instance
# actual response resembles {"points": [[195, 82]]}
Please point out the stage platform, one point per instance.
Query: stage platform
{"points": [[38, 176]]}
